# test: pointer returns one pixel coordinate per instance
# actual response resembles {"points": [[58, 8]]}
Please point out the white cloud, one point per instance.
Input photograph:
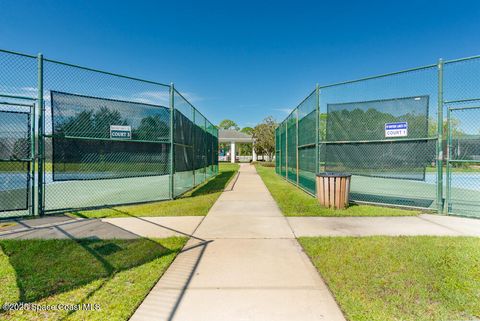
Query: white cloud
{"points": [[162, 96], [191, 97], [284, 110], [157, 97], [29, 89]]}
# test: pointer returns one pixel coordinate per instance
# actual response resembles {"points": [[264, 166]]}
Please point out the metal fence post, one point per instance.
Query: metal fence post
{"points": [[33, 149], [296, 145], [440, 138], [40, 137], [280, 148], [317, 128], [217, 146], [172, 142], [204, 149], [193, 147], [286, 149], [449, 157]]}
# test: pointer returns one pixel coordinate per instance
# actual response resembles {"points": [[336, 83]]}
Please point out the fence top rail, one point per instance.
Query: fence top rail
{"points": [[378, 76], [6, 103], [461, 59], [18, 97], [17, 53], [294, 109], [184, 98], [85, 68], [194, 108], [463, 108], [459, 101], [105, 72]]}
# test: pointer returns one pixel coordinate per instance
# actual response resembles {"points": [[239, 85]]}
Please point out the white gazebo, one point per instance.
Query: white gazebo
{"points": [[233, 137]]}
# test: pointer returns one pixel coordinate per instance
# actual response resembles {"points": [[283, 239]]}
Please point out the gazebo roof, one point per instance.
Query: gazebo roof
{"points": [[226, 136]]}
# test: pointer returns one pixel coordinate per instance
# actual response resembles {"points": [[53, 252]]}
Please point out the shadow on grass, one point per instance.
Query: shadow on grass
{"points": [[47, 267], [215, 185]]}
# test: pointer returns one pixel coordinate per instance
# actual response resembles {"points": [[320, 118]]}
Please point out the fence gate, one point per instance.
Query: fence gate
{"points": [[16, 159], [463, 161]]}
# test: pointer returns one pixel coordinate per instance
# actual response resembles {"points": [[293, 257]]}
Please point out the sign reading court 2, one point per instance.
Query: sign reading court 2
{"points": [[396, 129], [120, 132]]}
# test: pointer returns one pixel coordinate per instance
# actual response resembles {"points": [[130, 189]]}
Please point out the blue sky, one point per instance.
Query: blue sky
{"points": [[244, 60]]}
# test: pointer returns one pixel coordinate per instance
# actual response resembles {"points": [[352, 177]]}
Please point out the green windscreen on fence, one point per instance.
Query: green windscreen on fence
{"points": [[199, 141], [283, 151], [193, 134], [211, 158], [277, 150], [292, 147], [183, 143], [307, 126], [184, 179], [380, 138], [98, 138]]}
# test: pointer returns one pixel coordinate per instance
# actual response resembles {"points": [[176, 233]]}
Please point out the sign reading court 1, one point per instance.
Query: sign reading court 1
{"points": [[396, 129], [120, 132]]}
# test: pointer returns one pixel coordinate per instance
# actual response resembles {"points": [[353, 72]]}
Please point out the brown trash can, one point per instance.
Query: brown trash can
{"points": [[333, 189]]}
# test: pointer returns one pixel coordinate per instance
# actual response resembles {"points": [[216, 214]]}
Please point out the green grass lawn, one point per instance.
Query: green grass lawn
{"points": [[400, 278], [196, 202], [116, 274], [295, 202]]}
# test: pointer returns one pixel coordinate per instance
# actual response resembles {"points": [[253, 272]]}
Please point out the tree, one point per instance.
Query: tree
{"points": [[264, 135], [21, 148], [360, 124], [88, 123], [228, 124], [454, 127], [245, 149], [247, 130]]}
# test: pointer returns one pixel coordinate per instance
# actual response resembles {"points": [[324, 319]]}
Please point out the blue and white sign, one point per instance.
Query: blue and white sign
{"points": [[396, 129], [120, 132]]}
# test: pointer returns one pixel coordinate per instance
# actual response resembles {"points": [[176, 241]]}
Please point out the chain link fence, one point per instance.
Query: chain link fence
{"points": [[390, 132], [17, 123], [462, 131], [74, 137]]}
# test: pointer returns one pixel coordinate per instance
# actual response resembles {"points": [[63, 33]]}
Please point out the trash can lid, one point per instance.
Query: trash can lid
{"points": [[333, 174]]}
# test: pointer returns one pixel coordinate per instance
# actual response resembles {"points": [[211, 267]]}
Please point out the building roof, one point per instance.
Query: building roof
{"points": [[233, 136]]}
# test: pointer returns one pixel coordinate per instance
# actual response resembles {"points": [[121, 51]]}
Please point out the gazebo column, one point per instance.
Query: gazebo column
{"points": [[232, 152], [254, 155]]}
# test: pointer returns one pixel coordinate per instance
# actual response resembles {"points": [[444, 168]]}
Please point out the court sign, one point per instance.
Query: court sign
{"points": [[396, 129], [120, 132]]}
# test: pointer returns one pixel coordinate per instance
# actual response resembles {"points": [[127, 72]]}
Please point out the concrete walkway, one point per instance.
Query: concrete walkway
{"points": [[243, 264], [424, 224]]}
